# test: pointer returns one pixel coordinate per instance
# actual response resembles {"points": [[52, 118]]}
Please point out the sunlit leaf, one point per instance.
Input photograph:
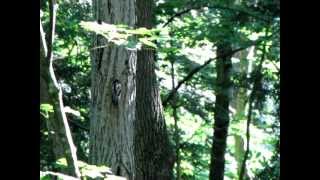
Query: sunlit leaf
{"points": [[147, 42]]}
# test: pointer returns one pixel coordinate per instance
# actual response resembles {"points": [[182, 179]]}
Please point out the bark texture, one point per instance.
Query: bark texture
{"points": [[221, 112], [129, 136], [111, 126], [152, 150]]}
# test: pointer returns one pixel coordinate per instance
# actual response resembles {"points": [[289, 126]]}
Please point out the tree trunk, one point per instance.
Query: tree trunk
{"points": [[153, 152], [239, 104], [221, 112], [49, 95], [176, 128], [112, 116], [128, 132]]}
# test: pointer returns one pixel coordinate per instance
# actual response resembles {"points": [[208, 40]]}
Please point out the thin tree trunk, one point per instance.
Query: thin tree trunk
{"points": [[49, 95], [252, 99], [152, 150], [221, 112], [239, 104], [112, 114], [176, 128], [54, 122]]}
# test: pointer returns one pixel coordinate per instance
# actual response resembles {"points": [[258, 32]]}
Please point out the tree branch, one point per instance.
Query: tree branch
{"points": [[197, 69], [43, 43], [213, 7], [180, 14]]}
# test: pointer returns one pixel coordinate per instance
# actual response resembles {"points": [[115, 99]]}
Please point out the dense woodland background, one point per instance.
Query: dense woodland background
{"points": [[163, 89]]}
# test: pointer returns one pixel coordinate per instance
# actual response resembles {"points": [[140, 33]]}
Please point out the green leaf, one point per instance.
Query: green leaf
{"points": [[46, 108], [44, 176], [93, 171], [62, 162], [121, 34], [140, 31], [147, 42]]}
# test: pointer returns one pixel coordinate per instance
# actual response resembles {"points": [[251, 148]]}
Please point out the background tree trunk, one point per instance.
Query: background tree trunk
{"points": [[153, 152], [111, 126], [221, 112], [176, 128], [239, 104]]}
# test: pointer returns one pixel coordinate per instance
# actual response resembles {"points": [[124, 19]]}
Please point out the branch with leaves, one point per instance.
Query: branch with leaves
{"points": [[123, 35]]}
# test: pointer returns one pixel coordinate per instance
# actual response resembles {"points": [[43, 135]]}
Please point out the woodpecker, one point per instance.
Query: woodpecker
{"points": [[116, 91]]}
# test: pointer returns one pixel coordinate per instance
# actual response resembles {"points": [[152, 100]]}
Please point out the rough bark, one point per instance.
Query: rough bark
{"points": [[129, 136], [111, 126], [152, 150], [221, 112]]}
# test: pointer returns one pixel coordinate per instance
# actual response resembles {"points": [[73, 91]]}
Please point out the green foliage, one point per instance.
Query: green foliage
{"points": [[122, 35], [87, 170], [93, 171], [190, 34], [45, 109]]}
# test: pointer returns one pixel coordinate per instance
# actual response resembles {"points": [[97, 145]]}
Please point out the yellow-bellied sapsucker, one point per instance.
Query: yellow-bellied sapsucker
{"points": [[116, 91]]}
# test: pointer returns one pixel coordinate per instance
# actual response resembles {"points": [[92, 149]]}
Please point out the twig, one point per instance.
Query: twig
{"points": [[275, 65], [53, 8], [180, 14]]}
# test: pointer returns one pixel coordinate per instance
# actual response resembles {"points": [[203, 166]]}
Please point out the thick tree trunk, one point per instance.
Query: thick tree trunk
{"points": [[152, 150], [221, 113], [112, 116], [154, 158], [128, 135]]}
